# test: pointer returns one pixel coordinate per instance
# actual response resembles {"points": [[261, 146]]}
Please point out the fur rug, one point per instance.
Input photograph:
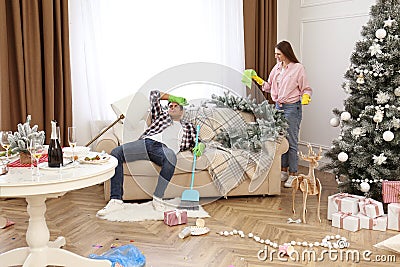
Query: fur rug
{"points": [[134, 212]]}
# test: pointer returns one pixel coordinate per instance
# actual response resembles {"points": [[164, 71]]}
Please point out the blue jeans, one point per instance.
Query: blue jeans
{"points": [[143, 149], [293, 114]]}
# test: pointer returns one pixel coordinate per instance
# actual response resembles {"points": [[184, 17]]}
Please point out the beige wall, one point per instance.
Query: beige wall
{"points": [[323, 35]]}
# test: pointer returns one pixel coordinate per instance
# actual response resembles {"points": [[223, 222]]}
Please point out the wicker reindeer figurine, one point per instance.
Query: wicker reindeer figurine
{"points": [[308, 184]]}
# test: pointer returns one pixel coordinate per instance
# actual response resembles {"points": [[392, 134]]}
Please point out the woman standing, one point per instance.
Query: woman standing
{"points": [[289, 89]]}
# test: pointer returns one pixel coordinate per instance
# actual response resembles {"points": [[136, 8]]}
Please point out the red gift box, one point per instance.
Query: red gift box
{"points": [[175, 217], [391, 191]]}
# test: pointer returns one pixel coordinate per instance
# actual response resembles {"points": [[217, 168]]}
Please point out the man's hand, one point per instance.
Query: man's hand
{"points": [[177, 99], [198, 150], [258, 79], [305, 99]]}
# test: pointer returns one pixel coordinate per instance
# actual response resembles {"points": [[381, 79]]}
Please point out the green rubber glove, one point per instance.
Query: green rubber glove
{"points": [[199, 149], [305, 99], [177, 99]]}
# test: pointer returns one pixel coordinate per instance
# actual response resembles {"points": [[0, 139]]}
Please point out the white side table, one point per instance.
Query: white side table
{"points": [[53, 183]]}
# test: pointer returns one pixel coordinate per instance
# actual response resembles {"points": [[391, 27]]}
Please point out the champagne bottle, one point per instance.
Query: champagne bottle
{"points": [[55, 155]]}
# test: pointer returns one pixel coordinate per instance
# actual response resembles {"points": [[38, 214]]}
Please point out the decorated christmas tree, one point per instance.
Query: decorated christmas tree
{"points": [[367, 149]]}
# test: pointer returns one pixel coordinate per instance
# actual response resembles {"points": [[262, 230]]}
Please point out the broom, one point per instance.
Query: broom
{"points": [[190, 197]]}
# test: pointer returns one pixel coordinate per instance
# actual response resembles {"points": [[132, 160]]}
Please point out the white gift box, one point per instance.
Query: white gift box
{"points": [[371, 208], [394, 216], [378, 224], [346, 221], [343, 202]]}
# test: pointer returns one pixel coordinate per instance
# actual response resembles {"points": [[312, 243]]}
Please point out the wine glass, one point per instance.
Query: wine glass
{"points": [[4, 141], [72, 140], [37, 150]]}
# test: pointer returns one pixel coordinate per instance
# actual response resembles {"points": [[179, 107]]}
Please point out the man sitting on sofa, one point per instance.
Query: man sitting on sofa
{"points": [[161, 141]]}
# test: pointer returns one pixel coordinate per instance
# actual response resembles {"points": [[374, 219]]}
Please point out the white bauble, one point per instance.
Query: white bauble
{"points": [[380, 33], [343, 156], [334, 122], [364, 187], [397, 91], [345, 116], [388, 136]]}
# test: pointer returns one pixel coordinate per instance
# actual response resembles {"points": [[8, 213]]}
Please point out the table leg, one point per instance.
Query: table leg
{"points": [[41, 252]]}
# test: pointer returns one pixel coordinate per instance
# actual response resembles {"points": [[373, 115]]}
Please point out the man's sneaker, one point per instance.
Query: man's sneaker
{"points": [[284, 176], [113, 205], [290, 181], [159, 204]]}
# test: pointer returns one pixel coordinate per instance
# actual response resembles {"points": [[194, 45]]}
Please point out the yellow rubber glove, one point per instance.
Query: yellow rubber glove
{"points": [[305, 99], [258, 79]]}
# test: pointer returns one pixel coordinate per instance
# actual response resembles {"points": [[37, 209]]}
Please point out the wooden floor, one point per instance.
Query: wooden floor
{"points": [[73, 216]]}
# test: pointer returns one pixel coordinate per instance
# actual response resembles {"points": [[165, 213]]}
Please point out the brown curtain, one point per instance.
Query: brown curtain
{"points": [[260, 28], [35, 76]]}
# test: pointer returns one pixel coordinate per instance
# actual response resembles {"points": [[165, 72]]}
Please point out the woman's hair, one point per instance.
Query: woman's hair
{"points": [[287, 50]]}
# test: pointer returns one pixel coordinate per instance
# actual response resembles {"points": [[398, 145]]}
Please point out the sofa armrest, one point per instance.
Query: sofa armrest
{"points": [[107, 142], [282, 146]]}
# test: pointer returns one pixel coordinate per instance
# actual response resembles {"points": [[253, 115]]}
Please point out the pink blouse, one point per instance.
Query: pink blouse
{"points": [[287, 86]]}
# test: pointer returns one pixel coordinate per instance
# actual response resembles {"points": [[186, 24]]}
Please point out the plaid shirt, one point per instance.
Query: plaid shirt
{"points": [[160, 119]]}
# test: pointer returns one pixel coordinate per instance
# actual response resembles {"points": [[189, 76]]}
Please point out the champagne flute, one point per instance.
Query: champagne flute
{"points": [[72, 140], [37, 150], [4, 141]]}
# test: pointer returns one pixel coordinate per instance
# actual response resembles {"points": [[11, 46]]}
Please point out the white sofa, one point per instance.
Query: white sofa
{"points": [[140, 177]]}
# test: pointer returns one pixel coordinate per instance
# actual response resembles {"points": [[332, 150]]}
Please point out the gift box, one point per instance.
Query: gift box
{"points": [[346, 221], [391, 191], [371, 208], [394, 216], [378, 224], [343, 202], [175, 217]]}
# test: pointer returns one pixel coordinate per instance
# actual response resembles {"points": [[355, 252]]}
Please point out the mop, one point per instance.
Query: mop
{"points": [[190, 197]]}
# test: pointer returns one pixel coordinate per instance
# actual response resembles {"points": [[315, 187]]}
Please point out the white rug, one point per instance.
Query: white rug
{"points": [[134, 212]]}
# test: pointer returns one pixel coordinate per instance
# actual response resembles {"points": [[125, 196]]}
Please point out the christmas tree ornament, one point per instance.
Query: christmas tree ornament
{"points": [[380, 33], [364, 187], [375, 49], [389, 22], [334, 122], [342, 156], [388, 136], [360, 79], [345, 116], [379, 160], [378, 117], [382, 97], [397, 91]]}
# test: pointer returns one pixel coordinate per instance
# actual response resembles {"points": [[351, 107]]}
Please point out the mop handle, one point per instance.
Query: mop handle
{"points": [[194, 156]]}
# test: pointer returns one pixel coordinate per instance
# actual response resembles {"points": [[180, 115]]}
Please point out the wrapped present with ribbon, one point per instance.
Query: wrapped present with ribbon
{"points": [[346, 221], [377, 224], [391, 191], [394, 216], [371, 208], [343, 202], [175, 217]]}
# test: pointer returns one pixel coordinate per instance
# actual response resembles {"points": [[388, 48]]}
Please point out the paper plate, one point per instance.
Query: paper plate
{"points": [[197, 230], [45, 166], [89, 159]]}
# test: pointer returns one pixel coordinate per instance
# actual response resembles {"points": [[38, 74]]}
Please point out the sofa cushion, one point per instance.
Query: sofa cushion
{"points": [[184, 164]]}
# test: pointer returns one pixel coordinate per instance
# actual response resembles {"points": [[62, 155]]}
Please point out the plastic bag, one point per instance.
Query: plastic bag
{"points": [[124, 256]]}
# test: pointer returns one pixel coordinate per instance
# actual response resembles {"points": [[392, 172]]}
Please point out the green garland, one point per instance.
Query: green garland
{"points": [[270, 122]]}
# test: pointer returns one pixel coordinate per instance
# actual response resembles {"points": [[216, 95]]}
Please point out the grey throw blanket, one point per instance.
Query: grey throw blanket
{"points": [[230, 167]]}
